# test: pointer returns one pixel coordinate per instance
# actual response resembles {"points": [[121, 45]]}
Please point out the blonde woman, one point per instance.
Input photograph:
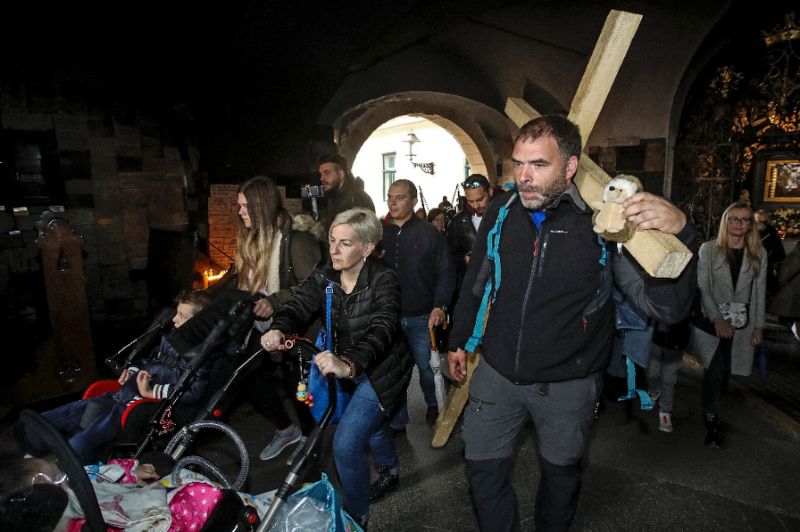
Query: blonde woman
{"points": [[370, 351], [271, 259], [731, 277]]}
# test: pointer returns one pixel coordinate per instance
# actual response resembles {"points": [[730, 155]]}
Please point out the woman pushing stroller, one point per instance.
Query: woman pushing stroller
{"points": [[370, 349]]}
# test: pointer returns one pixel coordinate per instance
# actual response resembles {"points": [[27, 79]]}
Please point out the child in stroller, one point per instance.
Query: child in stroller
{"points": [[92, 423]]}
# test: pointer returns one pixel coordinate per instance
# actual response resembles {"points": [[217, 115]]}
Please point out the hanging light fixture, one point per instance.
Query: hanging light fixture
{"points": [[412, 139]]}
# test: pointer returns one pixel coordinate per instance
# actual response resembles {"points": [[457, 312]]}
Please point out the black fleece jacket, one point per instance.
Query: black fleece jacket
{"points": [[366, 324], [549, 321]]}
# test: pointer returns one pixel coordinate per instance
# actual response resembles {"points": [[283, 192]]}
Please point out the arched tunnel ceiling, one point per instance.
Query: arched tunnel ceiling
{"points": [[483, 133], [534, 50]]}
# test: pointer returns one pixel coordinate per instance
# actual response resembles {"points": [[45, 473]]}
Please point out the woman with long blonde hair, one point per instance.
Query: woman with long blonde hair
{"points": [[272, 257], [259, 204], [731, 278]]}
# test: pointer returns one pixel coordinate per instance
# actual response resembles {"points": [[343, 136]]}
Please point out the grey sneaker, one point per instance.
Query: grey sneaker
{"points": [[665, 421], [279, 442]]}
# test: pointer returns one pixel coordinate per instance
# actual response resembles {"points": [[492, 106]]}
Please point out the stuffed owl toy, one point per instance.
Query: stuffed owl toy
{"points": [[607, 220]]}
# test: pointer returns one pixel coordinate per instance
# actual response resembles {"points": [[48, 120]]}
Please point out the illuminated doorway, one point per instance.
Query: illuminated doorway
{"points": [[437, 167]]}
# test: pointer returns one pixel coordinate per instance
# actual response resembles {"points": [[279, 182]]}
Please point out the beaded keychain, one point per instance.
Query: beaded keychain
{"points": [[302, 394]]}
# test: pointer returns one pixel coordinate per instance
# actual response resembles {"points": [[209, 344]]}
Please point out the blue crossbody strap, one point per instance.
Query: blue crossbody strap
{"points": [[493, 281], [328, 324]]}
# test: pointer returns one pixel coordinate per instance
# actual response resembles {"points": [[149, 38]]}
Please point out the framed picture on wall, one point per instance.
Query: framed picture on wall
{"points": [[782, 180]]}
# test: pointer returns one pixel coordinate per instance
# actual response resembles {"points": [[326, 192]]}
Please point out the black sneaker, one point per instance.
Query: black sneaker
{"points": [[713, 438], [431, 415], [386, 483]]}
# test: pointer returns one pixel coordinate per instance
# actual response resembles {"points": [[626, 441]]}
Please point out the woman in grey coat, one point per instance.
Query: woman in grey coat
{"points": [[731, 278]]}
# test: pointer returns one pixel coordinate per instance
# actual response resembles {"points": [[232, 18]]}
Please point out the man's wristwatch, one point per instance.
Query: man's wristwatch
{"points": [[444, 308]]}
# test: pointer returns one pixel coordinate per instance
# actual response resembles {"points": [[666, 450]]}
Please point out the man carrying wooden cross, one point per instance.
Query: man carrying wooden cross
{"points": [[542, 289]]}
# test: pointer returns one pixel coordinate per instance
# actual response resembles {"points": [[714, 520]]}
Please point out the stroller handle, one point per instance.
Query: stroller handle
{"points": [[294, 473]]}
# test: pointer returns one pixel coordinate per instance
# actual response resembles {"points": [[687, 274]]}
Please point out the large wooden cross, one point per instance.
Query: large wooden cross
{"points": [[661, 255]]}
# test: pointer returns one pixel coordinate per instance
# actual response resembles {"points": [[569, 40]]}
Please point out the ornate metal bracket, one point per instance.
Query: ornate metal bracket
{"points": [[428, 168]]}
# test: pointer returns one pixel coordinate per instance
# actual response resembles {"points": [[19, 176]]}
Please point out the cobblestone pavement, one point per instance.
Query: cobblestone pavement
{"points": [[779, 386]]}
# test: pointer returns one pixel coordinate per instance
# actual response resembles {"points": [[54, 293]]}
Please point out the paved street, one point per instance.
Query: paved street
{"points": [[637, 477]]}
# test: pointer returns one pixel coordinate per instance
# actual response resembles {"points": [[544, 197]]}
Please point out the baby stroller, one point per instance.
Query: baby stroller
{"points": [[304, 350], [325, 507], [147, 423], [39, 504]]}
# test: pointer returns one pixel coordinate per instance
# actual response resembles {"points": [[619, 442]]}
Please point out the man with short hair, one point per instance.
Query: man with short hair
{"points": [[418, 252], [462, 228], [549, 329], [342, 190]]}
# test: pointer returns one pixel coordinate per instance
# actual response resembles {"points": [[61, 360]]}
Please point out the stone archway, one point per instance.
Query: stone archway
{"points": [[483, 133]]}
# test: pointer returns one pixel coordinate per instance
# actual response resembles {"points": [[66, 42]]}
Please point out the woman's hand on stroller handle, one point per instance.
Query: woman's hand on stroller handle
{"points": [[273, 340], [330, 364]]}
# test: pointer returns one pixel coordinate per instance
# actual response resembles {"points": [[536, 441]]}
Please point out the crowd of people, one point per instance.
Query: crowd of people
{"points": [[519, 275]]}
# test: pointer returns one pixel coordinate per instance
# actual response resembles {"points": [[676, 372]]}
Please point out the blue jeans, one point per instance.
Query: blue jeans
{"points": [[364, 426], [416, 330], [419, 340], [86, 443]]}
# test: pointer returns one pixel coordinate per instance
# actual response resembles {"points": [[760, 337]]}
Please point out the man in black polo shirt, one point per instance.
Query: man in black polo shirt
{"points": [[419, 254]]}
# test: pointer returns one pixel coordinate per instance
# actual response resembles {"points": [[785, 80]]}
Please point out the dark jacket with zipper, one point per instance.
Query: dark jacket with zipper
{"points": [[547, 322], [166, 367], [419, 255], [366, 325], [553, 317], [460, 238]]}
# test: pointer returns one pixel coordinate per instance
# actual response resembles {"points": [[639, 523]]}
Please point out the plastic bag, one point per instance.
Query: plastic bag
{"points": [[315, 508]]}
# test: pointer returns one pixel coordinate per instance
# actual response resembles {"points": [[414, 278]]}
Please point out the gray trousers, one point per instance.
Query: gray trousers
{"points": [[498, 409], [662, 374], [563, 413]]}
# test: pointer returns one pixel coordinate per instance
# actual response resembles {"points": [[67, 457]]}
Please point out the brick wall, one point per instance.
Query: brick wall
{"points": [[222, 224]]}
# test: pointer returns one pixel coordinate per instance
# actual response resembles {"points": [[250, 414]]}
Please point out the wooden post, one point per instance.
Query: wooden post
{"points": [[453, 405], [66, 362], [604, 64]]}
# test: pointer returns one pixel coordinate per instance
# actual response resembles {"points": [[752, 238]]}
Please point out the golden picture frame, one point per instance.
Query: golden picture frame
{"points": [[782, 180]]}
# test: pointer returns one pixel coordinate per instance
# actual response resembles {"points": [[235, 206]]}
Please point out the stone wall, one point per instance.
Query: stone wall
{"points": [[643, 158], [115, 175]]}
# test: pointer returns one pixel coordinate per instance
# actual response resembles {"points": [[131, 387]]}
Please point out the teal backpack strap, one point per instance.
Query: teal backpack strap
{"points": [[493, 281], [644, 398]]}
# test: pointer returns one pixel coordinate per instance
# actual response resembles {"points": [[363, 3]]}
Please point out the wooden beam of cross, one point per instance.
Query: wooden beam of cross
{"points": [[661, 255]]}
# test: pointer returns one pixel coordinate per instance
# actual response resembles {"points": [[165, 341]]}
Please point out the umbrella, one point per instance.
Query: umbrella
{"points": [[438, 378]]}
